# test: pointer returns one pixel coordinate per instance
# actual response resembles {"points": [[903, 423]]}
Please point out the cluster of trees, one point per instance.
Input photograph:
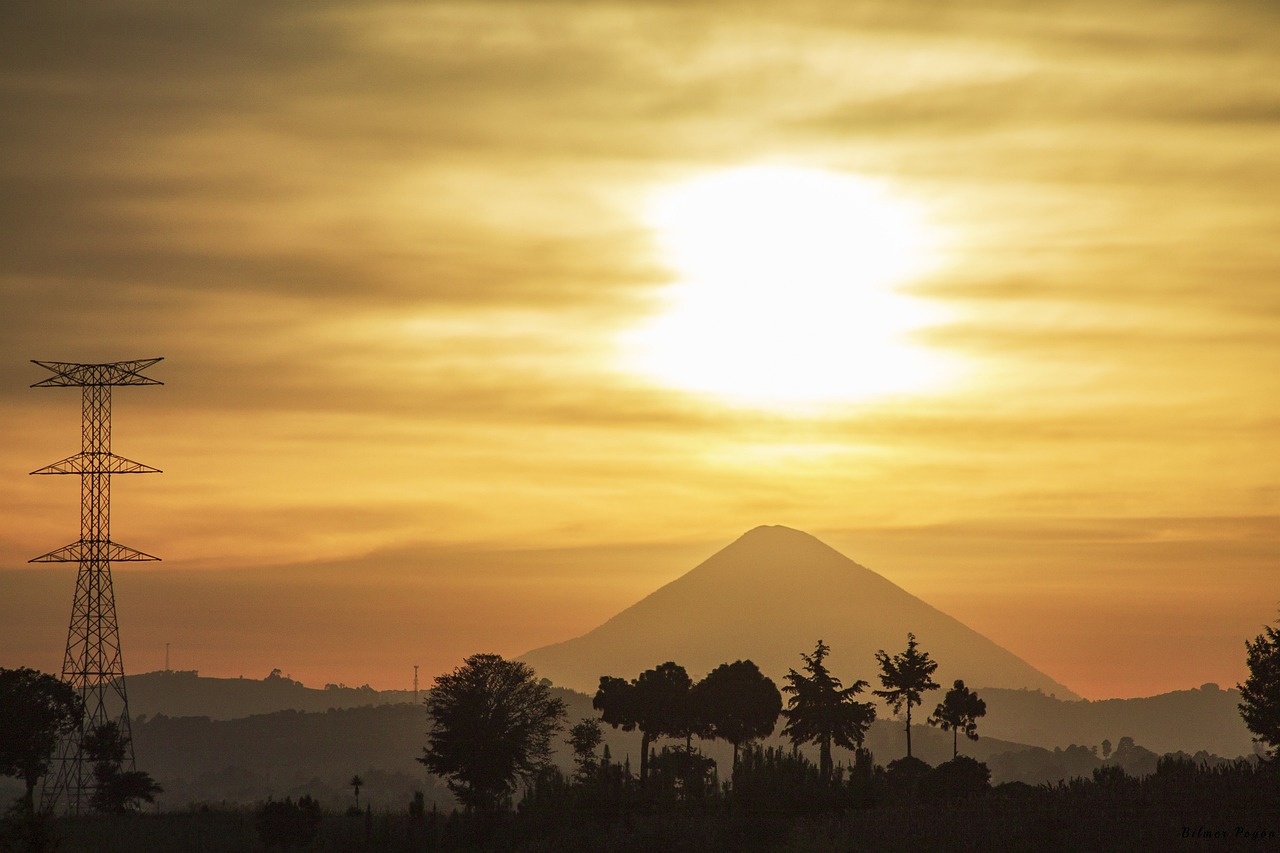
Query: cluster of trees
{"points": [[493, 722], [738, 704], [735, 703], [37, 711]]}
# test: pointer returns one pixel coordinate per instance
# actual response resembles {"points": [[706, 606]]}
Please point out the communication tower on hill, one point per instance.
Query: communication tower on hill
{"points": [[92, 663]]}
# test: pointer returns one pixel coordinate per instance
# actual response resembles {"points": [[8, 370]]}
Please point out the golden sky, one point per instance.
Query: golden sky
{"points": [[398, 257]]}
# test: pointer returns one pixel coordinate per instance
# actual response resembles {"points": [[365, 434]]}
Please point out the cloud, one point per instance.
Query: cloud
{"points": [[386, 251]]}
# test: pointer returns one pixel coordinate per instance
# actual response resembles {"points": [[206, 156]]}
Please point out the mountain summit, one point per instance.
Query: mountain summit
{"points": [[768, 597]]}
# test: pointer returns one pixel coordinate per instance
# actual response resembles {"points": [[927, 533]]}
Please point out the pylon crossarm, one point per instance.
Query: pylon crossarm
{"points": [[66, 373], [87, 549], [97, 463]]}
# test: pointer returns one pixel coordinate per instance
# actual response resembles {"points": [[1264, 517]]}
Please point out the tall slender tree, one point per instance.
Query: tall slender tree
{"points": [[906, 677], [584, 738], [958, 712], [823, 711], [737, 703], [357, 783], [1260, 693]]}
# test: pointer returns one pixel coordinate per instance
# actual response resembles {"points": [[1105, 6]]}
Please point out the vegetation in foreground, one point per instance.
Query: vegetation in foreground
{"points": [[778, 802], [492, 725]]}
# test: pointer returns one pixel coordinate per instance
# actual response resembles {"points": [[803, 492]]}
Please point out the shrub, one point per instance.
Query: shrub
{"points": [[905, 774], [286, 824], [960, 777]]}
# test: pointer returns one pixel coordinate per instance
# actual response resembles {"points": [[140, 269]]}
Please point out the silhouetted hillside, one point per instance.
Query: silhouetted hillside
{"points": [[288, 753], [1184, 720], [186, 693], [769, 597]]}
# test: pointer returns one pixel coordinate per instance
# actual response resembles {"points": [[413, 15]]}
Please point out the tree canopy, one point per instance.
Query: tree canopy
{"points": [[958, 712], [821, 710], [36, 710], [906, 677], [658, 703], [738, 703], [584, 738], [115, 790], [492, 723], [1260, 693]]}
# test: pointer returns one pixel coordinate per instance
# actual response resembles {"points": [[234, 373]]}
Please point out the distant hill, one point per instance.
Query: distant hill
{"points": [[288, 753], [1188, 720], [768, 597], [185, 693], [1184, 720]]}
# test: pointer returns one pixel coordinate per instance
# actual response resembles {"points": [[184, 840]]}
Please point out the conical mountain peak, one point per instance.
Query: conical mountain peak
{"points": [[769, 596]]}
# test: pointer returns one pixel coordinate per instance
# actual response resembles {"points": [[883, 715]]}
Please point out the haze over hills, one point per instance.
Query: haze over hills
{"points": [[768, 597], [1207, 718], [186, 693]]}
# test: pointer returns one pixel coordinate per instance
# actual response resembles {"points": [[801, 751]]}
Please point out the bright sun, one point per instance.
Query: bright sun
{"points": [[785, 294]]}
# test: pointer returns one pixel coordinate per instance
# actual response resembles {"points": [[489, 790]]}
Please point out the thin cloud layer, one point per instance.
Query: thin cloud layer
{"points": [[389, 250]]}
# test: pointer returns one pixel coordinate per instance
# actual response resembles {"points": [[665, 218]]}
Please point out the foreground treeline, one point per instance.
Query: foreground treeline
{"points": [[776, 800], [493, 726]]}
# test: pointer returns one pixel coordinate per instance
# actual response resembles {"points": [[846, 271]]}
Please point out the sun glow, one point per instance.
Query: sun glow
{"points": [[786, 291]]}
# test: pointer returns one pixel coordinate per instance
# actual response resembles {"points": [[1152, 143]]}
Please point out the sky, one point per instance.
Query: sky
{"points": [[482, 320]]}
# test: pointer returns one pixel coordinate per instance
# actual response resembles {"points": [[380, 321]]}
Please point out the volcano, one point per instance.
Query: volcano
{"points": [[768, 597]]}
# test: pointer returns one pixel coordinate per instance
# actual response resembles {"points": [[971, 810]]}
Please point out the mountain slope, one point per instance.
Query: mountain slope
{"points": [[768, 597]]}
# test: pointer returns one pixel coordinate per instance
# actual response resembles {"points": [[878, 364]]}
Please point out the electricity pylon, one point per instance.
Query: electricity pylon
{"points": [[92, 663]]}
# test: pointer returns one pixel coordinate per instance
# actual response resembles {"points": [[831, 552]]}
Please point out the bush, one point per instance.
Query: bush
{"points": [[285, 824], [1110, 774], [960, 777], [905, 774]]}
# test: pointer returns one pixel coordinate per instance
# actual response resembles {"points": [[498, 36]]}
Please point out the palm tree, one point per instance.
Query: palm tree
{"points": [[821, 710], [356, 782], [905, 677]]}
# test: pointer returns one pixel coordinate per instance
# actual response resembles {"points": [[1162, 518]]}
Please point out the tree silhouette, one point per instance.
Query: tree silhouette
{"points": [[958, 712], [355, 783], [1260, 693], [115, 790], [823, 711], [584, 738], [36, 710], [905, 678], [737, 703], [658, 703], [615, 699], [491, 723]]}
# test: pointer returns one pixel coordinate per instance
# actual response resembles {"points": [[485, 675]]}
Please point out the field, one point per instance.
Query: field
{"points": [[1179, 808]]}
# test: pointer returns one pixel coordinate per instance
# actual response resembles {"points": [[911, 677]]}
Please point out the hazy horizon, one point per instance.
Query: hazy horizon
{"points": [[483, 321]]}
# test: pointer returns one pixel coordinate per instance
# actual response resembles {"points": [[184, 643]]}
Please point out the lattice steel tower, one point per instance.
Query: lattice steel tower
{"points": [[92, 664]]}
